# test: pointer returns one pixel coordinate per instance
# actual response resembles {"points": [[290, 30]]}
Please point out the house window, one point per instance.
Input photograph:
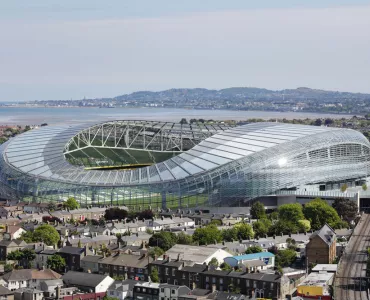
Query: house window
{"points": [[272, 285], [173, 291], [254, 284], [247, 283], [111, 293], [213, 279], [162, 290], [207, 279], [173, 272], [166, 271], [221, 280], [144, 290], [183, 276], [132, 269]]}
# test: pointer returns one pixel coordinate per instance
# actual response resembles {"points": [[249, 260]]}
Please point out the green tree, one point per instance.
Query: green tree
{"points": [[16, 255], [364, 187], [254, 249], [283, 227], [225, 267], [115, 213], [258, 210], [285, 258], [184, 239], [155, 252], [56, 263], [346, 208], [79, 245], [230, 234], [27, 237], [28, 255], [319, 212], [291, 212], [304, 225], [213, 262], [245, 231], [207, 235], [164, 240], [343, 187], [154, 276], [183, 121], [71, 203], [262, 227], [47, 234]]}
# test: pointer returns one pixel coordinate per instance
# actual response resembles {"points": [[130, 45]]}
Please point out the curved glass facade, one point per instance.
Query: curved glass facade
{"points": [[157, 164]]}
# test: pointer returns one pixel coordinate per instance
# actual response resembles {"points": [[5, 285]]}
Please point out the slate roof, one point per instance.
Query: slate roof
{"points": [[326, 233], [4, 291], [83, 279], [28, 274], [92, 258], [127, 260], [72, 250]]}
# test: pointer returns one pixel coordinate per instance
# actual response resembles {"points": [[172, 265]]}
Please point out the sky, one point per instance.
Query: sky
{"points": [[91, 48]]}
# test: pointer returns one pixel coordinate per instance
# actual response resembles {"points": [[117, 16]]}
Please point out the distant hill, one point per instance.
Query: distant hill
{"points": [[242, 93]]}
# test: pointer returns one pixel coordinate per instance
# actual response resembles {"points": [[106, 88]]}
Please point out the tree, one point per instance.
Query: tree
{"points": [[230, 234], [285, 258], [115, 213], [283, 227], [346, 208], [258, 210], [71, 203], [184, 239], [154, 276], [47, 234], [343, 187], [207, 235], [79, 245], [155, 252], [262, 227], [318, 122], [107, 298], [245, 231], [28, 255], [213, 262], [16, 255], [319, 212], [183, 121], [27, 236], [291, 243], [254, 249], [304, 225], [225, 267], [164, 240], [364, 186], [291, 212], [56, 263]]}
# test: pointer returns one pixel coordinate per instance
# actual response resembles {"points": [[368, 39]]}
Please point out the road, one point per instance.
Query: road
{"points": [[351, 276]]}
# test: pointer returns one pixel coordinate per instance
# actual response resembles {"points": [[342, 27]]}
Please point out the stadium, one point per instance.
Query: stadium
{"points": [[144, 164]]}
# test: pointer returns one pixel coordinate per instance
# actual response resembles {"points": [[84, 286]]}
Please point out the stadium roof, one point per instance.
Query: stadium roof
{"points": [[40, 153]]}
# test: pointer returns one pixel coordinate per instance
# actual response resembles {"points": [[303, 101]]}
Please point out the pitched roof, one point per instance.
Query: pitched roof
{"points": [[83, 279], [326, 233], [72, 250], [4, 291], [127, 260], [28, 274], [92, 258]]}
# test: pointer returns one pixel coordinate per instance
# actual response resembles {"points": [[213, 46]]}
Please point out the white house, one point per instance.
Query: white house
{"points": [[122, 289], [170, 291], [28, 278], [197, 254]]}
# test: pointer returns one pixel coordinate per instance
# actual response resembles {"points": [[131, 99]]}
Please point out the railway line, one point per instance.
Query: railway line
{"points": [[351, 280]]}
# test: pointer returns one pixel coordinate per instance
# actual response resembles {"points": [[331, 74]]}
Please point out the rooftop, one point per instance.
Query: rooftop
{"points": [[83, 279], [253, 256]]}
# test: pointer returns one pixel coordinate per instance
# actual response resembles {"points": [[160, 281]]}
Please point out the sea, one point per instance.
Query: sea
{"points": [[62, 115]]}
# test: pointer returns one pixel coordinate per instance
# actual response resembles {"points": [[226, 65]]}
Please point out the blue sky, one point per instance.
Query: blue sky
{"points": [[71, 49]]}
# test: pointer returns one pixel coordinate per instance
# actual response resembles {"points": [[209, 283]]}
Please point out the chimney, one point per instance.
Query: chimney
{"points": [[58, 295]]}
